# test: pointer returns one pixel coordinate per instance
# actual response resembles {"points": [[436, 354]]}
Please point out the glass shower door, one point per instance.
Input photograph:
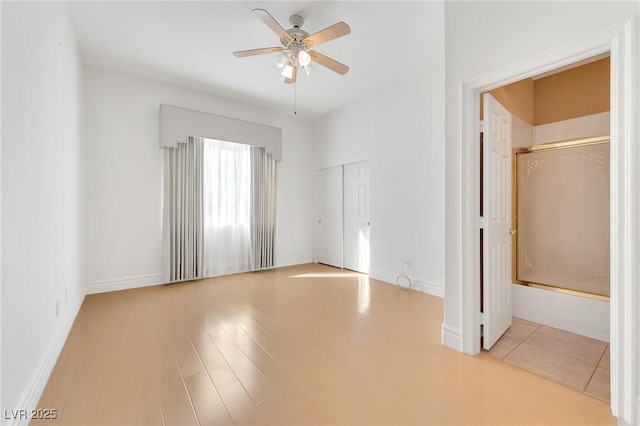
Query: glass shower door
{"points": [[562, 216]]}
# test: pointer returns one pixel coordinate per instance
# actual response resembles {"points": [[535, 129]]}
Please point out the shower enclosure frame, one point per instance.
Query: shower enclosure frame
{"points": [[515, 233]]}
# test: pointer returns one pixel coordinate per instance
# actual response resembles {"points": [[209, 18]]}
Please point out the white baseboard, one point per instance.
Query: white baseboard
{"points": [[31, 395], [416, 284], [128, 283], [623, 422], [124, 283], [429, 288], [292, 261], [451, 337]]}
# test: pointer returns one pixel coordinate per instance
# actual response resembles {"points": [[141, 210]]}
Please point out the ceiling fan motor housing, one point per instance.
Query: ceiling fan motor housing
{"points": [[297, 35]]}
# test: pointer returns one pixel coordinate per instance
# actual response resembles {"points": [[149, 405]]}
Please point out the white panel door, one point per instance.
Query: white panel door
{"points": [[497, 219], [329, 212], [356, 216]]}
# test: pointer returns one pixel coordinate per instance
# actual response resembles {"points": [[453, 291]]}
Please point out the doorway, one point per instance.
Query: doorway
{"points": [[559, 225], [343, 216], [621, 40], [555, 131]]}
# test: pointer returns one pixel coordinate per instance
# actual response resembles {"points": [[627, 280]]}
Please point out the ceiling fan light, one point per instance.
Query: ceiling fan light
{"points": [[281, 60], [308, 69], [303, 58], [288, 71]]}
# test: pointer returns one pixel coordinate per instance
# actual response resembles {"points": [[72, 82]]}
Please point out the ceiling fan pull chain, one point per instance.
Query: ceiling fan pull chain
{"points": [[295, 98]]}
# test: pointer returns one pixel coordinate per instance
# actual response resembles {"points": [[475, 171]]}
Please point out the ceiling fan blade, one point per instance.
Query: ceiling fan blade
{"points": [[265, 17], [294, 75], [330, 33], [253, 52], [327, 62]]}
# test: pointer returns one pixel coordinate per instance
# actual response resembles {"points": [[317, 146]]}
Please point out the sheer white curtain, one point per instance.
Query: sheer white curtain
{"points": [[219, 209], [227, 200]]}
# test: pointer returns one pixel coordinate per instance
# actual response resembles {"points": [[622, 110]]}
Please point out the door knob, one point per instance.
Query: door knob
{"points": [[513, 231]]}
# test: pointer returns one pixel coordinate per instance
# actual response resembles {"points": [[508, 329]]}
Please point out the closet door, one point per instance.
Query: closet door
{"points": [[356, 217], [329, 216]]}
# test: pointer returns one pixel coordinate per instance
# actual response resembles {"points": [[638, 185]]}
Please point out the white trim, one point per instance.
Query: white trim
{"points": [[623, 423], [385, 277], [1, 404], [418, 285], [622, 40], [451, 337], [625, 211], [126, 283], [429, 288], [33, 391], [293, 261]]}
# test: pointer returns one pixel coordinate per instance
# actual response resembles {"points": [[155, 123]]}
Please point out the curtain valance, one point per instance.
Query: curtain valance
{"points": [[177, 124]]}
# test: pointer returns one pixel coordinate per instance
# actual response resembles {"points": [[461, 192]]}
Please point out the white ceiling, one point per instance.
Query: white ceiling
{"points": [[191, 44]]}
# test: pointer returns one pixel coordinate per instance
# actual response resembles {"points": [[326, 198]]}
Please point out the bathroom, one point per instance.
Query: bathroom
{"points": [[564, 285]]}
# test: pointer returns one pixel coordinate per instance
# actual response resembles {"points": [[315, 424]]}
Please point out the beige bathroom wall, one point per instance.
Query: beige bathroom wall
{"points": [[517, 98], [573, 93], [576, 92]]}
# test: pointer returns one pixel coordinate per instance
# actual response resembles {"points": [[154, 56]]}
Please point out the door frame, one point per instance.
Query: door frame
{"points": [[621, 40]]}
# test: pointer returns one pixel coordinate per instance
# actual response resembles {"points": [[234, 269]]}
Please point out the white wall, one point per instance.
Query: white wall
{"points": [[42, 194], [123, 189], [482, 36], [399, 128]]}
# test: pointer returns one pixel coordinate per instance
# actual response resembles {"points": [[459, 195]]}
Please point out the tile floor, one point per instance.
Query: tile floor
{"points": [[575, 361]]}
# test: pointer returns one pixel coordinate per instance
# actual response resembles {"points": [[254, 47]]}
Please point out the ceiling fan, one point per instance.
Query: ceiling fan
{"points": [[296, 44]]}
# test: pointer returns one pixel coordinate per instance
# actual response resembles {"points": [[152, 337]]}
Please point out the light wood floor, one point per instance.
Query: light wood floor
{"points": [[292, 346]]}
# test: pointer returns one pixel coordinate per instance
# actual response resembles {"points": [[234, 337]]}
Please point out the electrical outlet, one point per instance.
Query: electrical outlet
{"points": [[57, 307]]}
